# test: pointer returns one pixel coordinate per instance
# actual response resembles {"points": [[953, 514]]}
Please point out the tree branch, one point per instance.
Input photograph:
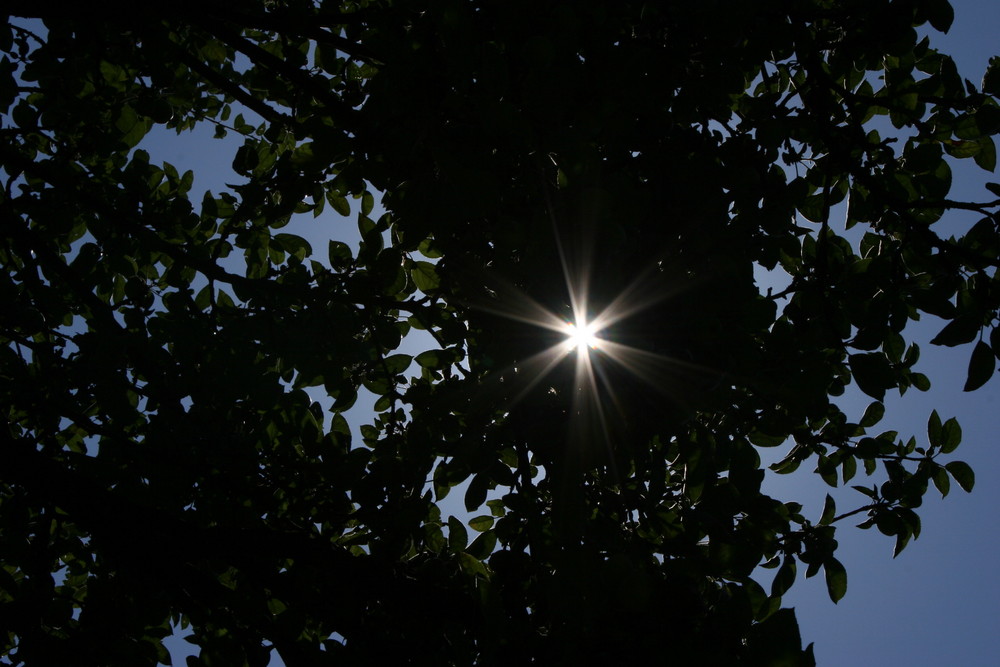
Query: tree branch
{"points": [[227, 86]]}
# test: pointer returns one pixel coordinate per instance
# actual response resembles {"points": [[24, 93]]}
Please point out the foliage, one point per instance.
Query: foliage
{"points": [[165, 459]]}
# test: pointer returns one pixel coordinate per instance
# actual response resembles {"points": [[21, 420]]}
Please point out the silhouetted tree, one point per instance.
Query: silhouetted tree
{"points": [[628, 163]]}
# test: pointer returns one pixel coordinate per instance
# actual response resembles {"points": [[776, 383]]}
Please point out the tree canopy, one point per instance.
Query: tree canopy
{"points": [[176, 365]]}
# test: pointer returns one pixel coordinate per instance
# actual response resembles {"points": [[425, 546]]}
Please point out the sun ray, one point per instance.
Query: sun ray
{"points": [[512, 303], [587, 403], [536, 368], [641, 294], [596, 337], [650, 366]]}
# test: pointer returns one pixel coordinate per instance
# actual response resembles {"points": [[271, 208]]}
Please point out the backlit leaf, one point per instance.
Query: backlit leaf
{"points": [[425, 276], [481, 523]]}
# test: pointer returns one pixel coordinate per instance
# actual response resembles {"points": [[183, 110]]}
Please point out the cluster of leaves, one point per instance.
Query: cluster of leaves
{"points": [[164, 462]]}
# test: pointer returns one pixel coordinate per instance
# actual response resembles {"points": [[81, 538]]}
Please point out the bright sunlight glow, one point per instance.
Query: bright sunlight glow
{"points": [[582, 337], [595, 354]]}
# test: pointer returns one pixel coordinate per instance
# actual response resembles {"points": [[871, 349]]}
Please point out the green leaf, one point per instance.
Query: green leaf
{"points": [[338, 202], [920, 381], [369, 229], [986, 158], [432, 359], [894, 346], [425, 276], [443, 482], [472, 566], [784, 578], [339, 425], [339, 254], [981, 366], [942, 481], [757, 598], [429, 249], [761, 439], [829, 511], [481, 523], [962, 474], [383, 403], [497, 508], [294, 245], [951, 436], [962, 148], [214, 51], [397, 363], [458, 537], [871, 493], [483, 545], [836, 578], [966, 127], [902, 539], [303, 155], [112, 73], [132, 127], [434, 537], [873, 414], [849, 468], [814, 208], [934, 429]]}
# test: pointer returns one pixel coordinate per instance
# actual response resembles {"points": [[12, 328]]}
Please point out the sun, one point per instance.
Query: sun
{"points": [[582, 336], [593, 331]]}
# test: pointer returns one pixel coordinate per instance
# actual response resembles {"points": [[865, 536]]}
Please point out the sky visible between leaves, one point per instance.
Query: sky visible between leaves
{"points": [[937, 603]]}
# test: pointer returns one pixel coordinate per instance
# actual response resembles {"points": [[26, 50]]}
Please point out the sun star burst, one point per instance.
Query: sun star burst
{"points": [[597, 332], [582, 336]]}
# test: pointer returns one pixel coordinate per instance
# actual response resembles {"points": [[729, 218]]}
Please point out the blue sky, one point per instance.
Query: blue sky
{"points": [[937, 603]]}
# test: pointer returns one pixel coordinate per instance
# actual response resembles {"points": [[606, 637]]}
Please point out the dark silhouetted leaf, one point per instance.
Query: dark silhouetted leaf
{"points": [[934, 435], [981, 366], [829, 511], [458, 537], [873, 374], [950, 436], [959, 331], [962, 474], [784, 578], [940, 14], [942, 481], [873, 414], [991, 80], [836, 578]]}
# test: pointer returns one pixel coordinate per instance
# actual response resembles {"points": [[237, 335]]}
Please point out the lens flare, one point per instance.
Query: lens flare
{"points": [[582, 337], [609, 352]]}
